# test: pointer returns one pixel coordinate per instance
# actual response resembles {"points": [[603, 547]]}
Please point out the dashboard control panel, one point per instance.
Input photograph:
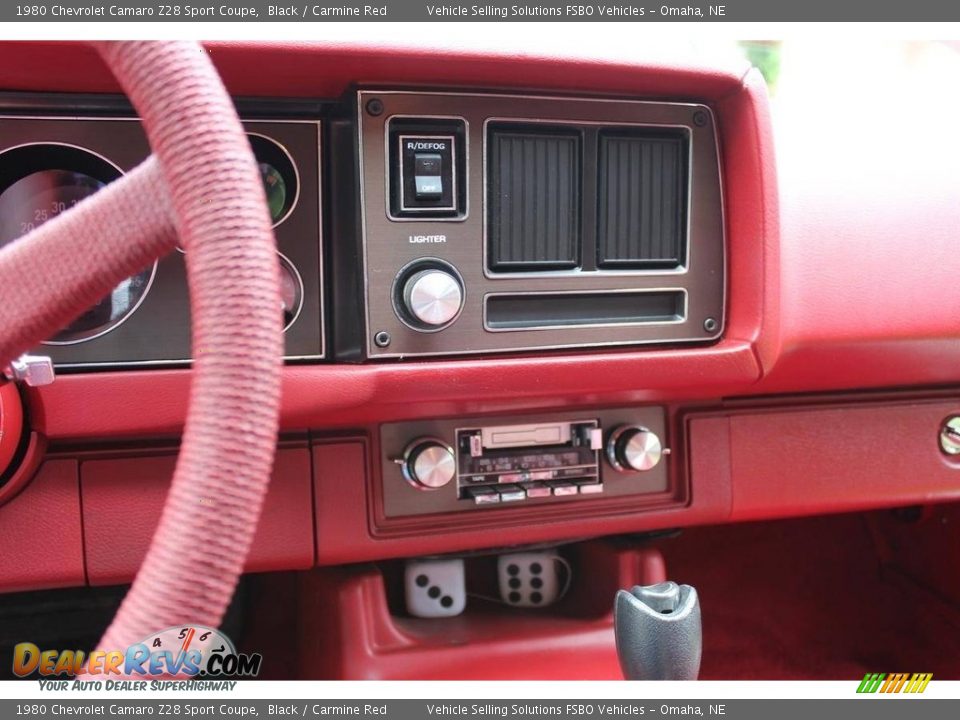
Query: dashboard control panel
{"points": [[495, 223], [443, 466], [457, 223], [49, 163]]}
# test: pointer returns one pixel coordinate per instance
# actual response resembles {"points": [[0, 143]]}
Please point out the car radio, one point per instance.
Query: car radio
{"points": [[515, 462], [438, 466]]}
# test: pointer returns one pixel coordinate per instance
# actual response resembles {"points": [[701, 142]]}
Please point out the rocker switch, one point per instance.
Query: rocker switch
{"points": [[427, 164], [427, 177]]}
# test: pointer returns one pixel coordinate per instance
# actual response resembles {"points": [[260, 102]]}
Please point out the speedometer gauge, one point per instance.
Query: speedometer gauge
{"points": [[44, 181], [39, 197]]}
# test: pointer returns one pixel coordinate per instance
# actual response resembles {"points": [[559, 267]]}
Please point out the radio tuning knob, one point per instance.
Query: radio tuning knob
{"points": [[634, 448], [429, 464], [433, 297]]}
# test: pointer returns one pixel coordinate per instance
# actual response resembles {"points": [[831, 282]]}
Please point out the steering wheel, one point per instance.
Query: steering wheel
{"points": [[201, 184]]}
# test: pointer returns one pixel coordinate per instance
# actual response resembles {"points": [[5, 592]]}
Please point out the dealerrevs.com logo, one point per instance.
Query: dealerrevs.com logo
{"points": [[184, 652], [888, 683]]}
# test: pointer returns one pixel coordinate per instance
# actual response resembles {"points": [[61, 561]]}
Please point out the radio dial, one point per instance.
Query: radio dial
{"points": [[433, 297], [634, 448], [429, 464]]}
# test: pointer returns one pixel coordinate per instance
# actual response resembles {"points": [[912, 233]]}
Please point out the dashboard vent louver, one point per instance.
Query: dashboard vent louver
{"points": [[641, 201], [534, 199]]}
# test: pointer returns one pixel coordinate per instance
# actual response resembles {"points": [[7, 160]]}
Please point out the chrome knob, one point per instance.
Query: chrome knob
{"points": [[950, 435], [433, 297], [632, 447], [429, 464]]}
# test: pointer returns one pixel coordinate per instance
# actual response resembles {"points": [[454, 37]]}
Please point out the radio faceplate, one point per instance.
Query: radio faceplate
{"points": [[491, 464], [517, 462], [562, 222]]}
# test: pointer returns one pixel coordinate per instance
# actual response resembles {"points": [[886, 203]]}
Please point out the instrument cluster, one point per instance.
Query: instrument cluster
{"points": [[48, 164]]}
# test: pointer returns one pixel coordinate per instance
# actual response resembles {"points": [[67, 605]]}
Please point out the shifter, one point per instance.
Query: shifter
{"points": [[658, 632]]}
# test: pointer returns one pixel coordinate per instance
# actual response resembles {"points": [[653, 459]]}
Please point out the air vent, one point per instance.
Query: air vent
{"points": [[534, 199], [642, 201]]}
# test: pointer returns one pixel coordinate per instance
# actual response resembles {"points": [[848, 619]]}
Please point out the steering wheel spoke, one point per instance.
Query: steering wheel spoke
{"points": [[53, 274], [202, 180]]}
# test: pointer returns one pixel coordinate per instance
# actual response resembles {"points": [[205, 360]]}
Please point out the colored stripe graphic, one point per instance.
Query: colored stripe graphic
{"points": [[918, 682], [894, 683], [871, 682]]}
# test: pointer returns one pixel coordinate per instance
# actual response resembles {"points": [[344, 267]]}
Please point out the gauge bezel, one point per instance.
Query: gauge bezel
{"points": [[81, 160], [285, 154], [286, 262]]}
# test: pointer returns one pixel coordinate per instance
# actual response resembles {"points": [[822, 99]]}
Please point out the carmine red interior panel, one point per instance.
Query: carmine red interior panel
{"points": [[123, 498], [340, 499], [349, 630], [868, 255], [11, 425], [752, 208], [326, 69], [821, 460], [111, 404], [41, 540]]}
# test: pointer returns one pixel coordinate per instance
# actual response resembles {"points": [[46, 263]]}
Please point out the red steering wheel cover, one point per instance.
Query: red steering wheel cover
{"points": [[11, 425]]}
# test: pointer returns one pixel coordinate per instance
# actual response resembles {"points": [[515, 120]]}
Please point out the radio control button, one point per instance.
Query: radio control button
{"points": [[476, 446], [511, 493], [429, 464], [596, 439], [537, 490], [634, 448], [484, 495], [561, 489], [590, 488]]}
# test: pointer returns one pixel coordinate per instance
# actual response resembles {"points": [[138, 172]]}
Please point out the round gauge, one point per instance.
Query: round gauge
{"points": [[291, 292], [38, 183], [276, 189], [279, 174]]}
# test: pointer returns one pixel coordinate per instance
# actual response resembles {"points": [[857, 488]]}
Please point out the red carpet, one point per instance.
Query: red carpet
{"points": [[809, 599]]}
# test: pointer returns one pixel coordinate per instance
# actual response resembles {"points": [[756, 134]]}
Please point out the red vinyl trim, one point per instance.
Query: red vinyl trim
{"points": [[11, 426]]}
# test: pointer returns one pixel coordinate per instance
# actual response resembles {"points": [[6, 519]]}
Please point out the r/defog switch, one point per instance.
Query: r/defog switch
{"points": [[424, 179], [428, 175]]}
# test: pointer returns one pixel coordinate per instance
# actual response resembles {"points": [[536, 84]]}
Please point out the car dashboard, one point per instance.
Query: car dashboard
{"points": [[584, 300]]}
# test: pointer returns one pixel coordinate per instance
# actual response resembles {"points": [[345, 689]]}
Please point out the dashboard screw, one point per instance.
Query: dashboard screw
{"points": [[710, 325], [375, 107], [700, 118], [382, 339]]}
